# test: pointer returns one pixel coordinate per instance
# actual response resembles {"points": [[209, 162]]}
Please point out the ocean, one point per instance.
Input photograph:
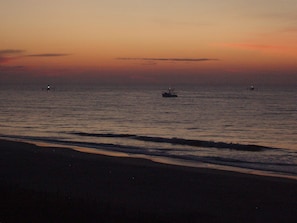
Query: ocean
{"points": [[212, 126]]}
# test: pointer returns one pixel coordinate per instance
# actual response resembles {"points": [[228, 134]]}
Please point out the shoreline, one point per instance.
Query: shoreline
{"points": [[76, 186], [157, 159]]}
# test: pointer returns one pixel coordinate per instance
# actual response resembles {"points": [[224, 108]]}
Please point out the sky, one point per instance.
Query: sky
{"points": [[153, 42]]}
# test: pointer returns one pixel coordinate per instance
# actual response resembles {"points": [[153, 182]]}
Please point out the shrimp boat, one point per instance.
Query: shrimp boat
{"points": [[169, 94]]}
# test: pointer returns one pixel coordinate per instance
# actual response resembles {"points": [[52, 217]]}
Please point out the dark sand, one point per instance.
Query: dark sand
{"points": [[40, 184]]}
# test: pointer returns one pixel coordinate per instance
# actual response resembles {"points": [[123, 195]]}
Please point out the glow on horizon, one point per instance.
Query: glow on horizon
{"points": [[76, 39]]}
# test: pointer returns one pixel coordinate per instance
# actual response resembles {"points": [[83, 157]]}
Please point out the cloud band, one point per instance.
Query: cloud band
{"points": [[48, 55], [169, 59]]}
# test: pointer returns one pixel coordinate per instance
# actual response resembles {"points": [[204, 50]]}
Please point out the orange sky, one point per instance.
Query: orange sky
{"points": [[152, 41]]}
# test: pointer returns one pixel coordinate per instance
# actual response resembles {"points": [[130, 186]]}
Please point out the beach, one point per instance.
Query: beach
{"points": [[50, 184]]}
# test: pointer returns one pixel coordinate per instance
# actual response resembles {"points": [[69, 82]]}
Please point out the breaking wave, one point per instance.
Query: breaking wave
{"points": [[183, 154], [180, 141]]}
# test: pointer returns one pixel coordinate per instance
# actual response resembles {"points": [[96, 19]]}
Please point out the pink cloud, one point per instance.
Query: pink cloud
{"points": [[3, 59], [9, 54]]}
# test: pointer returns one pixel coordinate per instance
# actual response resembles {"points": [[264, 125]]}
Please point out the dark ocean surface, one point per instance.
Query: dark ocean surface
{"points": [[214, 126]]}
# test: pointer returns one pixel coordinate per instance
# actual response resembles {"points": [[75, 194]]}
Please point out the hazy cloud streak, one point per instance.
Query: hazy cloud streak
{"points": [[9, 54], [12, 54], [48, 55], [170, 59], [11, 51]]}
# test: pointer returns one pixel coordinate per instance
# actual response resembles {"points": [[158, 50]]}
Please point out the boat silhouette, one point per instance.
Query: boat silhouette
{"points": [[169, 93]]}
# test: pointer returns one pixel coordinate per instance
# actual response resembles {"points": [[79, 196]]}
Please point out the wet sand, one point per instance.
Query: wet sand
{"points": [[44, 184]]}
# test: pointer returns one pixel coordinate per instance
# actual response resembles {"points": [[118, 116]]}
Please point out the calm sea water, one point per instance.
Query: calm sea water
{"points": [[227, 126]]}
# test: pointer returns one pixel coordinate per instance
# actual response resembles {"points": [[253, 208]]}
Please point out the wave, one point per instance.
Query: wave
{"points": [[262, 165], [180, 141]]}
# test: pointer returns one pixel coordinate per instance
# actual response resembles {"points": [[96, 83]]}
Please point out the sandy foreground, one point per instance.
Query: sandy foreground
{"points": [[44, 184]]}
